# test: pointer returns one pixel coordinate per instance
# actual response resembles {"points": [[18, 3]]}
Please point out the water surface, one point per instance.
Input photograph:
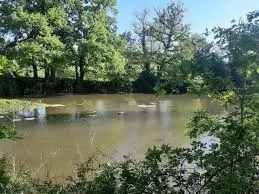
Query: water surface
{"points": [[60, 137]]}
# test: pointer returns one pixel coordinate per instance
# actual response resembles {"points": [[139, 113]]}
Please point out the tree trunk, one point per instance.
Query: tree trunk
{"points": [[81, 68], [52, 73], [161, 69], [147, 66], [36, 88], [145, 54], [80, 75], [35, 71], [159, 73], [76, 70], [47, 73]]}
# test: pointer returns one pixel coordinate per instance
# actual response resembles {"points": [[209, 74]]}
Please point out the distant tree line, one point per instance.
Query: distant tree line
{"points": [[70, 45]]}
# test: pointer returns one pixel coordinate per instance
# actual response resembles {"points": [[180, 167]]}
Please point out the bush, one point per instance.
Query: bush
{"points": [[145, 83]]}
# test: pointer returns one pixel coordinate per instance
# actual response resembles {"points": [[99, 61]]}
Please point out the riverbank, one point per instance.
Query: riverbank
{"points": [[13, 105], [29, 87]]}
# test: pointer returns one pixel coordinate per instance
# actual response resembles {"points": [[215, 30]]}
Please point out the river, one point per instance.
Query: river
{"points": [[109, 125]]}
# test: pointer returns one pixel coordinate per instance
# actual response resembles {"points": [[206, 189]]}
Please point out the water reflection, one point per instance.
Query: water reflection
{"points": [[40, 114], [64, 135]]}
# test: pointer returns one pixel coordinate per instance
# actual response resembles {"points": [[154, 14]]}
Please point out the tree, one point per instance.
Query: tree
{"points": [[207, 67], [132, 57], [172, 40], [94, 42], [228, 163], [31, 40], [165, 46], [144, 39]]}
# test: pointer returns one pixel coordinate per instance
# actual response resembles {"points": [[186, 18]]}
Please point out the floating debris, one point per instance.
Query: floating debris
{"points": [[29, 119], [146, 106], [92, 112], [93, 115], [152, 103], [55, 105], [80, 104], [1, 117], [121, 113], [16, 120]]}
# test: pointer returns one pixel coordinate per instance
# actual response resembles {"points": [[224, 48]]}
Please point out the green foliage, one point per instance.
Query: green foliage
{"points": [[5, 178], [8, 67], [145, 82], [73, 39], [198, 86], [44, 35], [7, 132], [12, 182], [162, 44], [95, 47], [222, 156], [159, 91], [223, 153], [207, 66], [10, 106]]}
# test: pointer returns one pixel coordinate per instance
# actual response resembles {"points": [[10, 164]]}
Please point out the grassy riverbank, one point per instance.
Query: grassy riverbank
{"points": [[11, 105]]}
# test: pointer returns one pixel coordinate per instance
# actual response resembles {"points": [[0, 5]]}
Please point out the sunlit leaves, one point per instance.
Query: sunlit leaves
{"points": [[7, 132], [58, 18], [99, 49], [227, 98], [198, 86], [10, 106], [8, 67], [30, 28]]}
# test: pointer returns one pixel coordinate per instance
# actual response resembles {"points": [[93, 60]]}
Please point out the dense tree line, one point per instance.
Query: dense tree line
{"points": [[78, 40], [54, 37]]}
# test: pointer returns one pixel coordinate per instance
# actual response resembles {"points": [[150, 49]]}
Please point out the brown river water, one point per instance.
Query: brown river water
{"points": [[112, 125]]}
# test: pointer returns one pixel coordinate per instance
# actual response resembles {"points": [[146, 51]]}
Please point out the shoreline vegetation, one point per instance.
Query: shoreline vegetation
{"points": [[8, 110], [13, 105], [10, 105]]}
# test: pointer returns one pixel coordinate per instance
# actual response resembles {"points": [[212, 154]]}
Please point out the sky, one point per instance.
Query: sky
{"points": [[201, 14]]}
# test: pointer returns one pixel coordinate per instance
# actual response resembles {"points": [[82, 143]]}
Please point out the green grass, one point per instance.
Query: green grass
{"points": [[13, 105]]}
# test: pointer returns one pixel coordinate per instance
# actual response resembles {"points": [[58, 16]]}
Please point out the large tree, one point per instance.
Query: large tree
{"points": [[144, 40], [92, 38], [50, 35], [28, 28], [239, 45], [172, 38]]}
